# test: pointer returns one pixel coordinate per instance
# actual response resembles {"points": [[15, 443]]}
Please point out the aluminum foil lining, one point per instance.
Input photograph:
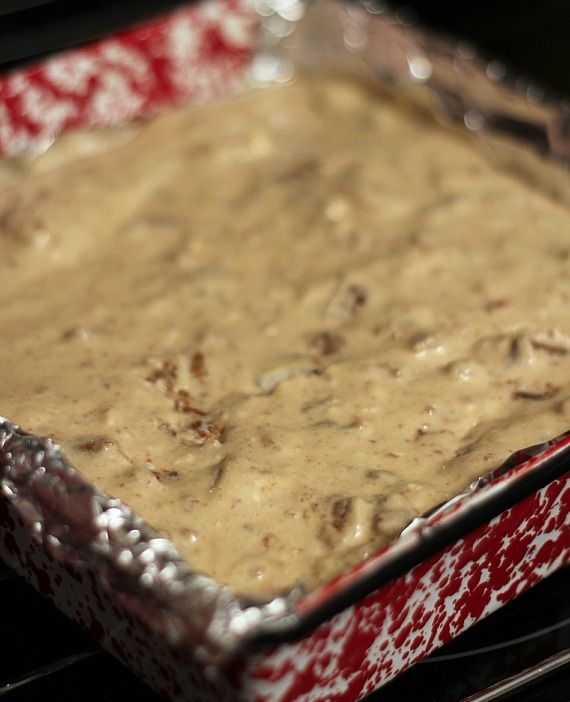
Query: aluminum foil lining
{"points": [[519, 125], [142, 571]]}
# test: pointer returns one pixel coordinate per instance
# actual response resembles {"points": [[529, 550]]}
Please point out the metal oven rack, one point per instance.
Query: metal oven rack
{"points": [[45, 656]]}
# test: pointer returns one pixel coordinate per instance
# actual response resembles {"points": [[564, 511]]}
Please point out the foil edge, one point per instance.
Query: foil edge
{"points": [[78, 523]]}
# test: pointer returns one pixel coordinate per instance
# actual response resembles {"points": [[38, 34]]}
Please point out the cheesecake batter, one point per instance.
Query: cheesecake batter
{"points": [[281, 327]]}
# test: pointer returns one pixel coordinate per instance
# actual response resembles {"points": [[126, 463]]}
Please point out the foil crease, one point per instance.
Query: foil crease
{"points": [[520, 126], [143, 572], [84, 527]]}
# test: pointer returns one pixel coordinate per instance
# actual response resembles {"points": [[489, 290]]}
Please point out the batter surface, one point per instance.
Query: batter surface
{"points": [[281, 328]]}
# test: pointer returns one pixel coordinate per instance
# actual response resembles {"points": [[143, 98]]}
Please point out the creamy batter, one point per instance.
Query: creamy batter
{"points": [[281, 328]]}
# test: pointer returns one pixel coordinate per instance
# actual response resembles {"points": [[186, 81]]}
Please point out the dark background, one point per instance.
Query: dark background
{"points": [[532, 37]]}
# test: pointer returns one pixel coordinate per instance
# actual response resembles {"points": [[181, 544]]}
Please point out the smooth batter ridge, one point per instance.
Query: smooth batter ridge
{"points": [[282, 327]]}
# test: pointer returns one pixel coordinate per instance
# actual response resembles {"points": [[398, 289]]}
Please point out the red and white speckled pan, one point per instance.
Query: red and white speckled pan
{"points": [[184, 634]]}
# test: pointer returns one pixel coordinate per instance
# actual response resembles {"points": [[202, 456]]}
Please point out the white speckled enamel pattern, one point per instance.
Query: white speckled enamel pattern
{"points": [[193, 55], [375, 639], [352, 653]]}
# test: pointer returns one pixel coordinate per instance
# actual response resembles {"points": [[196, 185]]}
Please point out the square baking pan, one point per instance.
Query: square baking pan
{"points": [[185, 635]]}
